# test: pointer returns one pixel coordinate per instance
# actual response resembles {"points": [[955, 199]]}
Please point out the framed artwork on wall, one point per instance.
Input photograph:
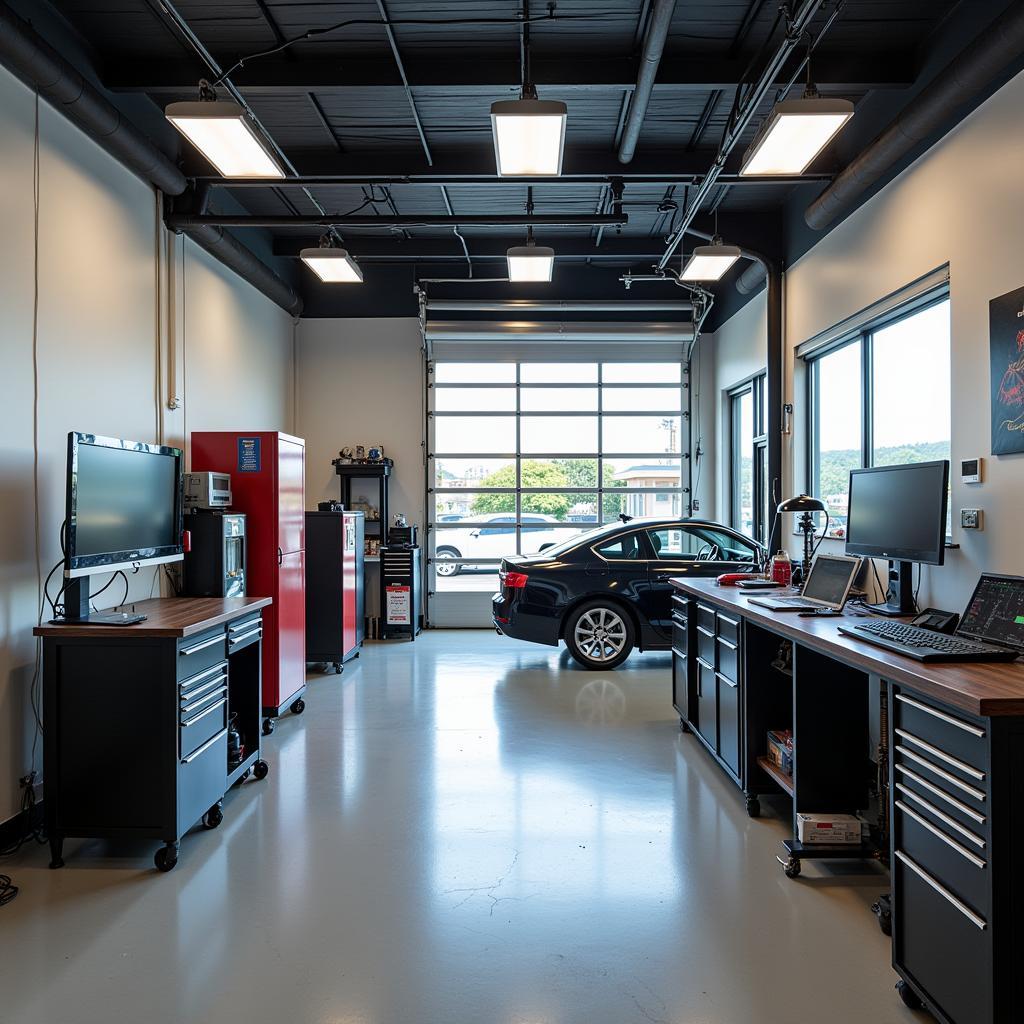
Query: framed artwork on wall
{"points": [[1006, 359]]}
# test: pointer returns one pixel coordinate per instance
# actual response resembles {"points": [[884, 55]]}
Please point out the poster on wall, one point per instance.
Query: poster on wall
{"points": [[1006, 357]]}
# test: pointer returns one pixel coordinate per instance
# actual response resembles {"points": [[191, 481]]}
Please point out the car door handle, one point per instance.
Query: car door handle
{"points": [[664, 577]]}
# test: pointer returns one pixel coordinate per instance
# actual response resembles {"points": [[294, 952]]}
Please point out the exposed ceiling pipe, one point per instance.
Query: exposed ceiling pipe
{"points": [[795, 29], [654, 46], [28, 56], [960, 81], [556, 306], [185, 221], [751, 279], [503, 330]]}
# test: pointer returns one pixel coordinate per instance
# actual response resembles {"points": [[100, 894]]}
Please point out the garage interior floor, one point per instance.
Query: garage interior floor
{"points": [[460, 830]]}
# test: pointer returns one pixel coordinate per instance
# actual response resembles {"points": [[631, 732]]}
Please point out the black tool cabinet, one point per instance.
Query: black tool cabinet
{"points": [[136, 721]]}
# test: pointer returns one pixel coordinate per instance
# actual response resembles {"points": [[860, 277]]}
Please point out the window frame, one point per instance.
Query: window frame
{"points": [[756, 386], [865, 336]]}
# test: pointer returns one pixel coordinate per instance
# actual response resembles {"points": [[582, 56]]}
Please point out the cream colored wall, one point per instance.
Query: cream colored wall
{"points": [[959, 203], [102, 340]]}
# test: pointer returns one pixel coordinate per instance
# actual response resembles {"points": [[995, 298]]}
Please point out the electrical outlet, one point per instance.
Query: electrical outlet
{"points": [[971, 518]]}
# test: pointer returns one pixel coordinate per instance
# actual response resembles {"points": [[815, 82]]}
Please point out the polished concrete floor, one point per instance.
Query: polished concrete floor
{"points": [[464, 830]]}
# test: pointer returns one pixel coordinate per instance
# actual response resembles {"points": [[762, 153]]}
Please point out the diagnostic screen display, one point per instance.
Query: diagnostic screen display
{"points": [[899, 512], [829, 578], [125, 500], [996, 612]]}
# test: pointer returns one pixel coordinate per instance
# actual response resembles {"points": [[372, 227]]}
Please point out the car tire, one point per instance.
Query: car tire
{"points": [[443, 565], [599, 634]]}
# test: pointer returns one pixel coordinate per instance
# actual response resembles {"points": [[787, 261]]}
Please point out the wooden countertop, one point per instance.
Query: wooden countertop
{"points": [[166, 617], [981, 688]]}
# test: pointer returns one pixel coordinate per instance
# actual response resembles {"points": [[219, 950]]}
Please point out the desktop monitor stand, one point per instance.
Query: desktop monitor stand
{"points": [[77, 610], [900, 597]]}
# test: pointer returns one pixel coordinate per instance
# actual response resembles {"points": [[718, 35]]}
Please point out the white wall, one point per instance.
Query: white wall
{"points": [[360, 381], [959, 203], [102, 332]]}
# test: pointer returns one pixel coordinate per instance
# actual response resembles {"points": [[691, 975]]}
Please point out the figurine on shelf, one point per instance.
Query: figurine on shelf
{"points": [[375, 453], [400, 520], [360, 453]]}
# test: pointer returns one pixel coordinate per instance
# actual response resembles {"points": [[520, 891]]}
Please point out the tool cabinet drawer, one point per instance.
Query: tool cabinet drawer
{"points": [[680, 635], [196, 653], [940, 775], [728, 628], [206, 681], [242, 634], [706, 644], [706, 617], [941, 943], [728, 659], [198, 726], [201, 777], [913, 784], [946, 730]]}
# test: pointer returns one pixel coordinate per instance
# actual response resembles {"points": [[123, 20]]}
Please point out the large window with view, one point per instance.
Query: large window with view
{"points": [[879, 398], [525, 455]]}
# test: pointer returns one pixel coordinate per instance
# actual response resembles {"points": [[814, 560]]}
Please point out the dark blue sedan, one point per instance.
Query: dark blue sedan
{"points": [[607, 591]]}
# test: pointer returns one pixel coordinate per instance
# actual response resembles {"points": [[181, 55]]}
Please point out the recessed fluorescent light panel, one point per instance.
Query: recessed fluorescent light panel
{"points": [[529, 136], [332, 266], [710, 262], [225, 135], [530, 263], [794, 134]]}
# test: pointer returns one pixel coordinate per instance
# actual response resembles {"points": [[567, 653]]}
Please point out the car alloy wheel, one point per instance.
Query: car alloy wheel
{"points": [[445, 566], [600, 635]]}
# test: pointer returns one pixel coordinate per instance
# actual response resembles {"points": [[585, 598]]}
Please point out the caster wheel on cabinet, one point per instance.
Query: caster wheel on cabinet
{"points": [[213, 817], [884, 915], [683, 727], [268, 726], [298, 706], [57, 862], [244, 776], [753, 806], [791, 868], [261, 769], [909, 996], [337, 668], [166, 857]]}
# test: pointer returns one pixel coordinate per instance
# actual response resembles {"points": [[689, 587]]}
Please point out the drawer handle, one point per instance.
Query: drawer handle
{"points": [[942, 755], [704, 664], [941, 772], [189, 708], [978, 922], [938, 833], [678, 653], [679, 620], [203, 714], [191, 695], [237, 627], [725, 618], [727, 643], [941, 815], [942, 794], [726, 680], [188, 684], [235, 640], [705, 608], [206, 746], [935, 713], [195, 648], [706, 632]]}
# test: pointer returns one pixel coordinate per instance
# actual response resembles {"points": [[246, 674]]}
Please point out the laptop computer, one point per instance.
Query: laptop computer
{"points": [[992, 627], [827, 587]]}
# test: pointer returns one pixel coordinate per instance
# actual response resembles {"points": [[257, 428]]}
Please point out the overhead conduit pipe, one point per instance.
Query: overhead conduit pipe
{"points": [[654, 46], [997, 47], [30, 58]]}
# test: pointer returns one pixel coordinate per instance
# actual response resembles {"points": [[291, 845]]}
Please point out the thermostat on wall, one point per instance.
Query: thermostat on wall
{"points": [[970, 470]]}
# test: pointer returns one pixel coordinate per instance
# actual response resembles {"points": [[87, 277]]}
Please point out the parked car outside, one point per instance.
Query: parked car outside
{"points": [[492, 536]]}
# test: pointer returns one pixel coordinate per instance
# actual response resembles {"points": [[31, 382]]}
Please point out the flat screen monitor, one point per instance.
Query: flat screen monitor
{"points": [[899, 512], [124, 504]]}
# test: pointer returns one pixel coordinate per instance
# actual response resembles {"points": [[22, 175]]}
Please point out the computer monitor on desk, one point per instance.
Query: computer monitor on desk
{"points": [[899, 513]]}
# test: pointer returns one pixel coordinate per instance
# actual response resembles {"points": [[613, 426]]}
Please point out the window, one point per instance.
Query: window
{"points": [[879, 398], [621, 548], [748, 476], [554, 449]]}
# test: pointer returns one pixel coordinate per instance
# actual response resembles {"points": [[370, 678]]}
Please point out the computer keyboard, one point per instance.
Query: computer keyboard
{"points": [[925, 644]]}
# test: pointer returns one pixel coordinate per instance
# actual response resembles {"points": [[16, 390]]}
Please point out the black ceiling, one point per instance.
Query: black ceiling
{"points": [[337, 104]]}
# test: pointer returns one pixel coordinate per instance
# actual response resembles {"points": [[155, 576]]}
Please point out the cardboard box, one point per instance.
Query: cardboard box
{"points": [[835, 829], [780, 749]]}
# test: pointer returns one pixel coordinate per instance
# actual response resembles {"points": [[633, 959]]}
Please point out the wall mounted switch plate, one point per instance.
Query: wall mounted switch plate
{"points": [[971, 518]]}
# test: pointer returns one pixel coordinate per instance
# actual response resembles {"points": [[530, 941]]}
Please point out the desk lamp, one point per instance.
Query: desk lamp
{"points": [[805, 504]]}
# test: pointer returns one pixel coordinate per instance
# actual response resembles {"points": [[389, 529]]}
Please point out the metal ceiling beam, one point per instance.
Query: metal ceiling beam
{"points": [[834, 70], [182, 221]]}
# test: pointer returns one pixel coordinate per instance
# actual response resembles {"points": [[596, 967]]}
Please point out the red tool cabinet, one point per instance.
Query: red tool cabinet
{"points": [[268, 478]]}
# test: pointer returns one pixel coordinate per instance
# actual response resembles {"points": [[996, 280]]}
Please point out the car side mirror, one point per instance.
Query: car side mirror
{"points": [[474, 533]]}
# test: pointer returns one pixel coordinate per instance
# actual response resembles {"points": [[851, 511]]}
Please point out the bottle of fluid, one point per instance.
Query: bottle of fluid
{"points": [[782, 569]]}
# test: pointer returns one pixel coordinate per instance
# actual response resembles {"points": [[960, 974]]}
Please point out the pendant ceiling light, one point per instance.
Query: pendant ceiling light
{"points": [[710, 262], [332, 265], [529, 133], [225, 134], [530, 262]]}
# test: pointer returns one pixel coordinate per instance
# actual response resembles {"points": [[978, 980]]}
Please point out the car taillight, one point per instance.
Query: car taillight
{"points": [[513, 580]]}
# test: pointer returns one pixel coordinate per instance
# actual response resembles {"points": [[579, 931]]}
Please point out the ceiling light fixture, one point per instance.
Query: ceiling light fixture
{"points": [[530, 262], [710, 262], [332, 265], [224, 133], [529, 133]]}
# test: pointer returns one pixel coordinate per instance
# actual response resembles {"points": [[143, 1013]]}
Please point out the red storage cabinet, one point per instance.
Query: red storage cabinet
{"points": [[268, 484]]}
